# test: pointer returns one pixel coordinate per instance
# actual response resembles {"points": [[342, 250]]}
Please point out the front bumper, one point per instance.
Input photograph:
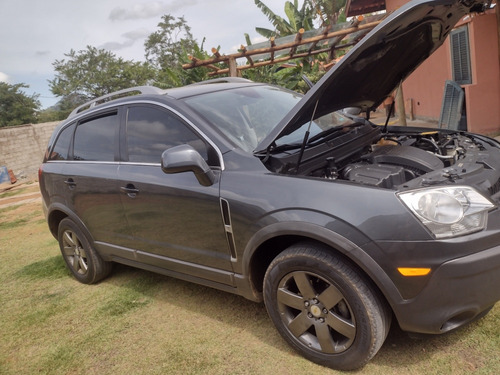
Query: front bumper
{"points": [[458, 291]]}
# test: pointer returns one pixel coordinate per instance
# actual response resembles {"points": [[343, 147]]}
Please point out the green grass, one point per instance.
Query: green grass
{"points": [[136, 322]]}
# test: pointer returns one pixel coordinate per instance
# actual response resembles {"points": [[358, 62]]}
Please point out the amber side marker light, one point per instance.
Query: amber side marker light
{"points": [[413, 271]]}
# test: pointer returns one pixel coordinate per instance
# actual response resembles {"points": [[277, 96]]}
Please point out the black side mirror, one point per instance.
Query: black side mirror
{"points": [[184, 158]]}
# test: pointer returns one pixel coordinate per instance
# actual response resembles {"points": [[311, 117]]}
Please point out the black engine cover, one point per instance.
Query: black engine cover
{"points": [[405, 156]]}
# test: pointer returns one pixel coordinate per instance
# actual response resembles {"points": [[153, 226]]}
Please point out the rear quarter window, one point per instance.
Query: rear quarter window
{"points": [[60, 151]]}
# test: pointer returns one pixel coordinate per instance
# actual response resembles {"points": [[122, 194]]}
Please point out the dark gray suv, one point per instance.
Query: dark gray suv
{"points": [[338, 225]]}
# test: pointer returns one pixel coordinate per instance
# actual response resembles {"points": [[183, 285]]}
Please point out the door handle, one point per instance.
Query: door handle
{"points": [[70, 183], [130, 190]]}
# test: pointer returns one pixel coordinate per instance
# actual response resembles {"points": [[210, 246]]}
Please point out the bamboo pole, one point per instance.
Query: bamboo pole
{"points": [[274, 48], [277, 61], [298, 39], [233, 68]]}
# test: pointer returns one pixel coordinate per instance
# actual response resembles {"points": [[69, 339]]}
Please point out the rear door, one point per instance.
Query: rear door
{"points": [[89, 178]]}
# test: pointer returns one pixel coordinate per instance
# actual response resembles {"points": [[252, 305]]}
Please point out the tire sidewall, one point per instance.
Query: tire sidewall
{"points": [[343, 277], [92, 261]]}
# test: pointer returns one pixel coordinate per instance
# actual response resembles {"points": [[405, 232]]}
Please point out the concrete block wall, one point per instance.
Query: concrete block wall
{"points": [[22, 148]]}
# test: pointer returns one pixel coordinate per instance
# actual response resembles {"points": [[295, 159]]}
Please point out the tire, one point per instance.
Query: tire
{"points": [[80, 257], [324, 308]]}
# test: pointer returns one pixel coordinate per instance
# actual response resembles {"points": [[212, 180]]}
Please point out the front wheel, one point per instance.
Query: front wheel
{"points": [[80, 257], [324, 308]]}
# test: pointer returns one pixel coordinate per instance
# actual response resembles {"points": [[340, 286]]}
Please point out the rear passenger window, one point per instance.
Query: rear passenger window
{"points": [[61, 147], [150, 131], [95, 139]]}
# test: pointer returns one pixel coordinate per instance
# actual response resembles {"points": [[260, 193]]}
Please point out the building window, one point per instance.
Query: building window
{"points": [[460, 56]]}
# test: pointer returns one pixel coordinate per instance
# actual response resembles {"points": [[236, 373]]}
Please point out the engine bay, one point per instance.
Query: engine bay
{"points": [[398, 158]]}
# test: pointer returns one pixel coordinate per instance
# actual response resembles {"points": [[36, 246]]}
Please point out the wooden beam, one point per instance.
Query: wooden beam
{"points": [[244, 49], [233, 68], [273, 45], [274, 48], [354, 23], [216, 53], [213, 67], [298, 39], [277, 61]]}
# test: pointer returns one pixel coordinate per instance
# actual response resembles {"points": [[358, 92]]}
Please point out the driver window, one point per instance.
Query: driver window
{"points": [[150, 131]]}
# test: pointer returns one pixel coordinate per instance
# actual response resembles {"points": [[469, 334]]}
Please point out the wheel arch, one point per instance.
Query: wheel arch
{"points": [[57, 213], [283, 235]]}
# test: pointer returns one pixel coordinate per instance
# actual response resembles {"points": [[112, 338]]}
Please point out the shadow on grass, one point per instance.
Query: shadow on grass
{"points": [[398, 352], [50, 268], [136, 288], [135, 293], [221, 306]]}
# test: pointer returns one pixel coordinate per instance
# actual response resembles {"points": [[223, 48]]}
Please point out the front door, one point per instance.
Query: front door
{"points": [[174, 221]]}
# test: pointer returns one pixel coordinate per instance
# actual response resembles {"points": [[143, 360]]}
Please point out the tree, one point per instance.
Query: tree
{"points": [[297, 19], [165, 46], [17, 108], [169, 48], [304, 17], [329, 12], [93, 72]]}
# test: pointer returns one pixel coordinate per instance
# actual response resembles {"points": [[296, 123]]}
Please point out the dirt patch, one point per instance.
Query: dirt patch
{"points": [[20, 194]]}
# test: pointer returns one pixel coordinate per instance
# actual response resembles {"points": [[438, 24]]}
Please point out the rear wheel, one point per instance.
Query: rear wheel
{"points": [[80, 257], [324, 308]]}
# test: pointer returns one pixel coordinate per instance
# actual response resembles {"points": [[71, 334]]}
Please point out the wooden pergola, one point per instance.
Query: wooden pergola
{"points": [[279, 51]]}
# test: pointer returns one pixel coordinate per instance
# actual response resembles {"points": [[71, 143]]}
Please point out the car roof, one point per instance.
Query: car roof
{"points": [[209, 86], [204, 87]]}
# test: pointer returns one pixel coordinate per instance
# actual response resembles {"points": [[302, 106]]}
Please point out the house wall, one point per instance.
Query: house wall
{"points": [[482, 98], [425, 85]]}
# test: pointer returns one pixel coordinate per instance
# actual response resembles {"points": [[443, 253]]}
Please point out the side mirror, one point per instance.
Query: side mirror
{"points": [[184, 158]]}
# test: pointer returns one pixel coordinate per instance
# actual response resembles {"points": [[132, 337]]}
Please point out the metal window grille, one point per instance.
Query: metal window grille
{"points": [[451, 109], [460, 56]]}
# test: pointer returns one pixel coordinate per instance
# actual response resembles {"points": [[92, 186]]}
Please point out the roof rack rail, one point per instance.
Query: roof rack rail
{"points": [[222, 80], [115, 95]]}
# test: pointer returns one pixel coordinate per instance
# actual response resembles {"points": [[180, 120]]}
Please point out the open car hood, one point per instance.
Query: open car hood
{"points": [[373, 68]]}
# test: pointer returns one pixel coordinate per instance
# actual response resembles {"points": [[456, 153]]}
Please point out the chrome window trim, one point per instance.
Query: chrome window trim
{"points": [[84, 161], [101, 107]]}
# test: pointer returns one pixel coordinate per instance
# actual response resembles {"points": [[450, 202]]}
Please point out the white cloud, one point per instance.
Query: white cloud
{"points": [[148, 10], [130, 38], [55, 27]]}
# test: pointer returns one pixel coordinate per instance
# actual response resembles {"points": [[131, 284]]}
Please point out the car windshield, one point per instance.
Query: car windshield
{"points": [[248, 114]]}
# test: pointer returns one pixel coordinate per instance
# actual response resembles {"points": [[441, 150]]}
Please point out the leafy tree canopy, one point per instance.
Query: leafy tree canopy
{"points": [[17, 108], [94, 72], [168, 48], [320, 12], [165, 47]]}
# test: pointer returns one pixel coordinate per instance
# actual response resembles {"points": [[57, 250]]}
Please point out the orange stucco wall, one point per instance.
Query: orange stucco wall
{"points": [[482, 98], [425, 85]]}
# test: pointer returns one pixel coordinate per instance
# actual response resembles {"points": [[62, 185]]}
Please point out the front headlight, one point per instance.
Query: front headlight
{"points": [[449, 211]]}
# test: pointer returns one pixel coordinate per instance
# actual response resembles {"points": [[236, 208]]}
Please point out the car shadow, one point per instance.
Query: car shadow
{"points": [[399, 351]]}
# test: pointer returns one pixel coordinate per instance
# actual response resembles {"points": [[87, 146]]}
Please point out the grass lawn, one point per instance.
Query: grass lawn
{"points": [[136, 322]]}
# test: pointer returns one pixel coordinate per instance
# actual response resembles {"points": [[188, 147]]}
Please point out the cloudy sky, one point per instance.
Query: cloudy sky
{"points": [[35, 33]]}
